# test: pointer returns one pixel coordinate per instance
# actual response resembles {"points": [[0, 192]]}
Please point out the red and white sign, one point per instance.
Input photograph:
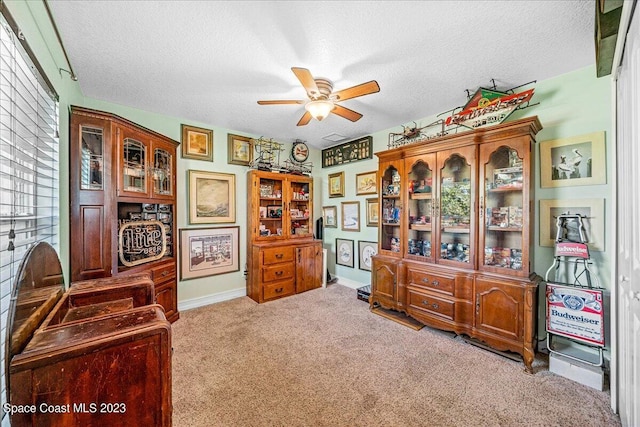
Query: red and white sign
{"points": [[575, 313], [573, 249], [488, 107]]}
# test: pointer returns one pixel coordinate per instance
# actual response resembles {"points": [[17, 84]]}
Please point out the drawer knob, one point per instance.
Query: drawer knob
{"points": [[279, 290], [425, 280], [425, 302], [435, 283], [279, 273], [164, 273], [279, 256], [435, 306]]}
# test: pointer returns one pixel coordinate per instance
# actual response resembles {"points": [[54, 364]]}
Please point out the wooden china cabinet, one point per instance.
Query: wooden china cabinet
{"points": [[455, 246], [123, 202], [283, 257]]}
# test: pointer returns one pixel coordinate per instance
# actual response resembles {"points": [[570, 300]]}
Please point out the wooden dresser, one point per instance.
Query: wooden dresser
{"points": [[98, 354]]}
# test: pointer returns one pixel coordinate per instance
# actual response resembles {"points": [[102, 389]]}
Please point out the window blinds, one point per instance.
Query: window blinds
{"points": [[29, 207]]}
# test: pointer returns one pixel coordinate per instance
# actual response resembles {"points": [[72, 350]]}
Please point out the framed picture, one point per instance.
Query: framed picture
{"points": [[366, 250], [372, 212], [344, 252], [366, 183], [351, 216], [352, 151], [209, 251], [592, 211], [330, 216], [274, 211], [211, 197], [239, 150], [336, 184], [197, 143], [578, 160]]}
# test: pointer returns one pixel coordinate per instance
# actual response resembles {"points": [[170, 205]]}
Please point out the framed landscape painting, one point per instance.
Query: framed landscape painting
{"points": [[197, 143], [211, 197]]}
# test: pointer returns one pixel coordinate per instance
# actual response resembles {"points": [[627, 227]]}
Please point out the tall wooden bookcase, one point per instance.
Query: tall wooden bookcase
{"points": [[122, 180]]}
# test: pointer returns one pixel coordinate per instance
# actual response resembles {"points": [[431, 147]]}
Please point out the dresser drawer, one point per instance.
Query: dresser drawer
{"points": [[431, 281], [278, 289], [432, 305], [276, 255], [163, 272], [278, 272]]}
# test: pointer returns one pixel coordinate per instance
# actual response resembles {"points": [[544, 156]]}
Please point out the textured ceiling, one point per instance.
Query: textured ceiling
{"points": [[210, 61]]}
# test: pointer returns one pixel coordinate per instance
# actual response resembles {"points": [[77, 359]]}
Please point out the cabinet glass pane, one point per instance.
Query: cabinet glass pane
{"points": [[91, 158], [299, 210], [420, 210], [391, 206], [455, 209], [503, 204], [134, 170], [162, 172], [271, 209]]}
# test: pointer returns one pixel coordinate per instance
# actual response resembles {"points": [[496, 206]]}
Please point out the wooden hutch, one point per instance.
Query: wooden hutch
{"points": [[283, 257], [455, 235], [123, 202]]}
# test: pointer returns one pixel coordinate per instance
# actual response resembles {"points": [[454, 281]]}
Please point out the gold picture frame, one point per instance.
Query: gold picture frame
{"points": [[366, 183], [593, 221], [211, 197], [197, 143], [209, 251], [239, 150], [330, 217], [577, 160], [336, 184], [373, 209], [350, 216]]}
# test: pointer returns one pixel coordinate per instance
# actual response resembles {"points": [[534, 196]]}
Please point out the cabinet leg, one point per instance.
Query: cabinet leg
{"points": [[528, 357]]}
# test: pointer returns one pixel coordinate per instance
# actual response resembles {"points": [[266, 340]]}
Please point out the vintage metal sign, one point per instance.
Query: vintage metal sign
{"points": [[575, 313], [572, 249], [488, 107], [141, 241]]}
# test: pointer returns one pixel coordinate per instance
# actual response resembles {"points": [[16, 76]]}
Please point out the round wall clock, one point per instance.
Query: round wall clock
{"points": [[299, 152]]}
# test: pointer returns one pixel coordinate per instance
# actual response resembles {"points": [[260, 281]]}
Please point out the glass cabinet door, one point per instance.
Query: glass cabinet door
{"points": [[92, 158], [162, 173], [503, 210], [390, 208], [420, 207], [271, 209], [134, 171], [455, 208], [300, 211]]}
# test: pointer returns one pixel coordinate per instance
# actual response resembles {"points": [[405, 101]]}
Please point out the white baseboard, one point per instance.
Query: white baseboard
{"points": [[350, 283], [211, 299]]}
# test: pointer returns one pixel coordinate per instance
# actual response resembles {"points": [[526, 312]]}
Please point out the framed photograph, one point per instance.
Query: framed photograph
{"points": [[366, 250], [197, 143], [344, 252], [366, 183], [336, 184], [578, 160], [351, 216], [592, 211], [274, 211], [211, 197], [239, 150], [372, 212], [330, 216], [209, 251]]}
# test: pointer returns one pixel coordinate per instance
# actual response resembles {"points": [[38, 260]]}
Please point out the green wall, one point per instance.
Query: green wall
{"points": [[572, 104]]}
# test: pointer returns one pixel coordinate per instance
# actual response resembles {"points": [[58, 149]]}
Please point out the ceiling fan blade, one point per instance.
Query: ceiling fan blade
{"points": [[284, 101], [347, 113], [355, 91], [305, 119], [307, 81]]}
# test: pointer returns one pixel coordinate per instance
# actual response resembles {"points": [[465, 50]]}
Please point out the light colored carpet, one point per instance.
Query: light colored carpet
{"points": [[321, 358]]}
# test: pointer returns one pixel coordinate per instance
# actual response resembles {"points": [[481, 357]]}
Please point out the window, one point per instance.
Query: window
{"points": [[29, 175]]}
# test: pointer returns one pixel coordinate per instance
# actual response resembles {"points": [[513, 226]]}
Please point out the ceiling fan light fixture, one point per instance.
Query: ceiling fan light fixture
{"points": [[319, 109]]}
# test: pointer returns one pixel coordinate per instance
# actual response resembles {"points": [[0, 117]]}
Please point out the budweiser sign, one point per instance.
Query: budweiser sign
{"points": [[579, 250], [488, 107]]}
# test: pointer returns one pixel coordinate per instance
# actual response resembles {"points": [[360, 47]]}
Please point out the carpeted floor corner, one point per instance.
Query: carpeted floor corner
{"points": [[321, 358]]}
